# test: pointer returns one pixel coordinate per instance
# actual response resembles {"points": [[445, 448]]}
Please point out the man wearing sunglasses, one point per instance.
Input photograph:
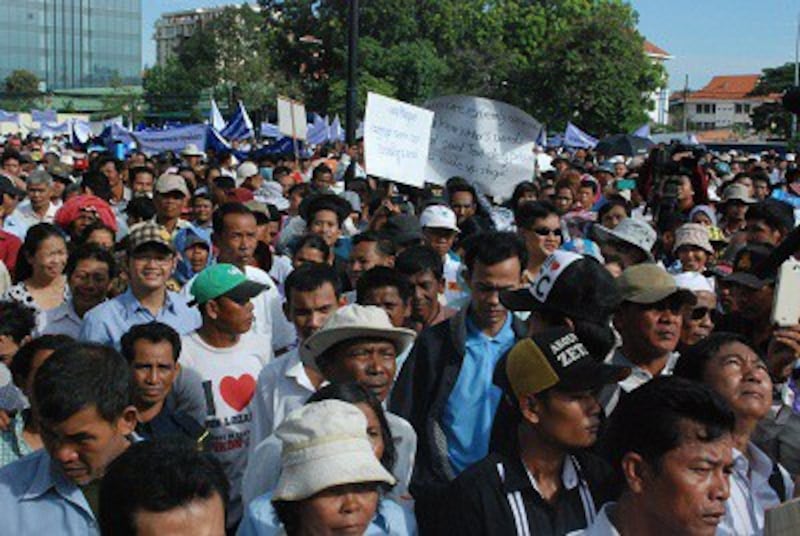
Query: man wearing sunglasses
{"points": [[539, 225], [649, 321]]}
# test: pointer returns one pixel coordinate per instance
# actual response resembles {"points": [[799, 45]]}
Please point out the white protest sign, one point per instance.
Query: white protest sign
{"points": [[292, 118], [396, 136], [487, 142]]}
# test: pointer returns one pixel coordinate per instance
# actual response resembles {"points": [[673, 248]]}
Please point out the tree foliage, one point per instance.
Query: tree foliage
{"points": [[21, 82], [771, 117], [170, 88]]}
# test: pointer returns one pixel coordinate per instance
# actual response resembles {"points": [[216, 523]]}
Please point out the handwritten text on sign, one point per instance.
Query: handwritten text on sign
{"points": [[485, 141], [396, 138]]}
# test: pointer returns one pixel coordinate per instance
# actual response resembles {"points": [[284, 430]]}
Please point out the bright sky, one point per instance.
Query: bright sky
{"points": [[706, 37]]}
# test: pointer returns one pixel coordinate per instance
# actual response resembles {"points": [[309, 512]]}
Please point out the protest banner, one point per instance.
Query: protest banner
{"points": [[172, 139], [292, 118], [487, 142], [396, 136]]}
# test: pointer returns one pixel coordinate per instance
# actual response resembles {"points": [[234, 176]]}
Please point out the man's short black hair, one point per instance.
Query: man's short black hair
{"points": [[218, 218], [138, 170], [648, 421], [224, 182], [774, 212], [310, 277], [495, 247], [154, 332], [102, 161], [156, 476], [141, 208], [526, 214], [97, 182], [9, 154], [79, 376], [383, 244], [280, 171], [93, 252], [16, 320], [319, 170], [380, 277], [314, 242], [693, 361], [23, 360], [416, 259]]}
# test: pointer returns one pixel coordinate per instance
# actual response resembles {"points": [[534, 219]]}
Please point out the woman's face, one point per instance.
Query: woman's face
{"points": [[612, 218], [544, 236], [101, 237], [374, 431], [563, 200], [693, 258], [703, 219], [341, 510], [50, 258], [197, 255]]}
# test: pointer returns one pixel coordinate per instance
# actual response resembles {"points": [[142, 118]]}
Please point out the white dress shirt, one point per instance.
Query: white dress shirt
{"points": [[602, 525]]}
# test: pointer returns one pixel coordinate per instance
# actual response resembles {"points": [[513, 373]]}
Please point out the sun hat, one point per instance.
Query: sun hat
{"points": [[694, 281], [438, 217], [192, 150], [272, 193], [736, 192], [351, 322], [571, 284], [693, 234], [325, 444], [649, 283], [403, 229], [169, 182], [224, 280], [703, 209], [149, 233], [633, 231], [747, 266], [245, 171], [557, 358]]}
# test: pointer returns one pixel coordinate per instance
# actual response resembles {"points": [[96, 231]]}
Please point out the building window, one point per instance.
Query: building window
{"points": [[739, 108], [698, 108], [747, 108]]}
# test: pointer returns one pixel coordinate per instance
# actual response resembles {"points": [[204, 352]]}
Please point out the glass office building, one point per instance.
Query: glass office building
{"points": [[72, 43]]}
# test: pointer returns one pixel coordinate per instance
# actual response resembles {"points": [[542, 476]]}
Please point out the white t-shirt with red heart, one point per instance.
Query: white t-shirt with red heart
{"points": [[228, 378]]}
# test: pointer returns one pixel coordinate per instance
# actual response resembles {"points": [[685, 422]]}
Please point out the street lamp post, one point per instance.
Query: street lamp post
{"points": [[352, 78], [796, 71]]}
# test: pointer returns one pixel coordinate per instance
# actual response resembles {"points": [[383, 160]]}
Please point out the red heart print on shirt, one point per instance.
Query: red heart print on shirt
{"points": [[237, 392]]}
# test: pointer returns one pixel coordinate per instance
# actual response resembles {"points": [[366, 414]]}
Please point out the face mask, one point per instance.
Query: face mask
{"points": [[349, 227], [266, 172]]}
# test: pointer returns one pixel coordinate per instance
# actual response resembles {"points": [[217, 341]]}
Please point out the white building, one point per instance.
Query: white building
{"points": [[659, 114]]}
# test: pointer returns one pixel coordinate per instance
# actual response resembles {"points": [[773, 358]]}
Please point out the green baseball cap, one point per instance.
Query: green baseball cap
{"points": [[224, 280]]}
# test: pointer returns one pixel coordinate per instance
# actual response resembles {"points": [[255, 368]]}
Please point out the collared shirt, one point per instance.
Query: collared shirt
{"points": [[36, 498], [468, 415], [260, 519], [751, 493], [602, 525], [172, 424], [63, 320], [23, 217], [610, 394], [108, 322], [12, 444]]}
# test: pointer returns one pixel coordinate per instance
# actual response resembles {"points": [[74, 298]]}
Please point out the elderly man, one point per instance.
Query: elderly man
{"points": [[170, 198], [36, 209]]}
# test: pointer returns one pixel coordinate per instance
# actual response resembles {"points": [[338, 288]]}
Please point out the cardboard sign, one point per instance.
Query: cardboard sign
{"points": [[292, 118], [487, 142], [396, 140]]}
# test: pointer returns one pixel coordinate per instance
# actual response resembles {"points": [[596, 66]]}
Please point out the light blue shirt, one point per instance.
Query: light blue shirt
{"points": [[469, 412], [63, 320], [109, 321], [36, 499], [390, 518]]}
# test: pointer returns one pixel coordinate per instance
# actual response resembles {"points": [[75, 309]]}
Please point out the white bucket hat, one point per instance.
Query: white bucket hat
{"points": [[693, 234], [192, 150], [351, 322], [325, 444], [632, 231], [438, 217]]}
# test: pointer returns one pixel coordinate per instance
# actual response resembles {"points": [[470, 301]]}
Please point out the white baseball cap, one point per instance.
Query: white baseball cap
{"points": [[438, 217]]}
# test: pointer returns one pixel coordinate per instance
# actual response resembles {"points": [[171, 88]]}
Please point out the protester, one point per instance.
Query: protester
{"points": [[631, 241], [163, 487], [539, 225], [733, 208], [768, 222], [82, 395], [152, 352], [440, 230], [369, 250], [388, 289], [693, 248], [423, 267], [36, 209], [698, 322], [310, 249], [557, 486], [170, 197]]}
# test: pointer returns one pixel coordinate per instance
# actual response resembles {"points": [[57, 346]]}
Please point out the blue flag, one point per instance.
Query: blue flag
{"points": [[575, 137], [239, 127], [643, 131]]}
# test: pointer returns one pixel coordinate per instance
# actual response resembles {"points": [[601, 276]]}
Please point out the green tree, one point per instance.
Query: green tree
{"points": [[170, 88], [771, 117], [21, 83]]}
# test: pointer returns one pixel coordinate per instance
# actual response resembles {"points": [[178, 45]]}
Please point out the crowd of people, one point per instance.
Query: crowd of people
{"points": [[202, 344]]}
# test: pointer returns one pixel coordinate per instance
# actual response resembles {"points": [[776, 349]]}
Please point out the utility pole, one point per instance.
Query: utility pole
{"points": [[352, 77], [686, 105], [796, 71]]}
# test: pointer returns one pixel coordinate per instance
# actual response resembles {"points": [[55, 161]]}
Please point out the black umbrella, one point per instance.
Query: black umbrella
{"points": [[624, 144]]}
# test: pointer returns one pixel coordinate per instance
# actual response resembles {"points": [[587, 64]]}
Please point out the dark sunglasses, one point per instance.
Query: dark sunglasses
{"points": [[699, 313], [544, 231]]}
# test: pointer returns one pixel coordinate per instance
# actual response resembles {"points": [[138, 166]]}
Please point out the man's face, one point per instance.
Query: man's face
{"points": [[369, 362], [544, 236], [761, 189], [9, 204], [154, 370], [309, 310], [142, 183], [463, 204], [8, 348], [200, 517], [739, 375], [651, 331], [12, 167], [486, 283], [111, 173], [585, 197], [306, 255], [441, 240], [693, 258], [149, 267], [563, 200], [388, 299], [570, 420], [752, 304], [685, 190], [697, 321], [232, 316], [365, 256], [425, 301], [620, 169], [687, 493], [238, 240], [89, 282], [735, 211], [286, 181], [202, 210], [169, 205], [325, 224], [323, 181], [760, 231], [627, 253], [197, 255], [747, 182], [83, 445], [39, 194]]}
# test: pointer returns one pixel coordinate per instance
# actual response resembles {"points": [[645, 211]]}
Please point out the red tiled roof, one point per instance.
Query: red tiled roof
{"points": [[650, 48], [732, 87]]}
